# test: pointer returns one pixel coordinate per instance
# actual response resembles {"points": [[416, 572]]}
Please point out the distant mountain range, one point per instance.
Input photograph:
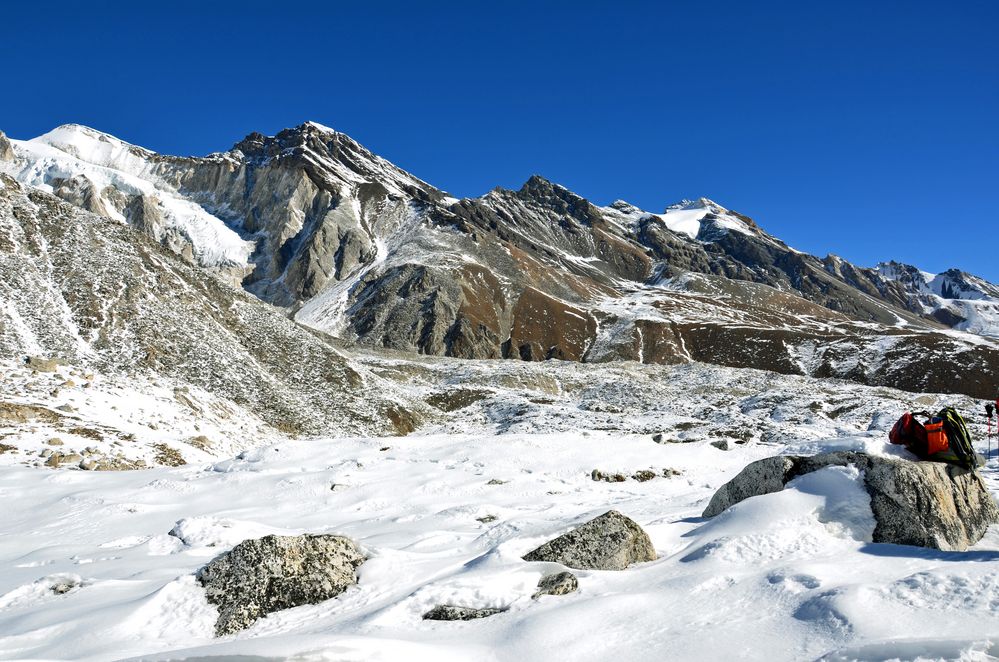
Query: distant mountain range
{"points": [[348, 245]]}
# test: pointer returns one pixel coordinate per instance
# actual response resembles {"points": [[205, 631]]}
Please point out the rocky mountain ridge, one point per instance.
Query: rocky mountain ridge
{"points": [[355, 247]]}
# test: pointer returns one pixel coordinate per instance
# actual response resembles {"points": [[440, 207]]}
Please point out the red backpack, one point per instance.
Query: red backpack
{"points": [[910, 433], [943, 438]]}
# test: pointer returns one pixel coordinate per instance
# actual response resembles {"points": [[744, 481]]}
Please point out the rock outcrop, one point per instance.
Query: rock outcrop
{"points": [[457, 613], [41, 364], [560, 583], [927, 504], [269, 574], [608, 542], [6, 149]]}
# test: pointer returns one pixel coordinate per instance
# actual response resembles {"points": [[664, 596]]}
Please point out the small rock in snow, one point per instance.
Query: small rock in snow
{"points": [[458, 613], [557, 584]]}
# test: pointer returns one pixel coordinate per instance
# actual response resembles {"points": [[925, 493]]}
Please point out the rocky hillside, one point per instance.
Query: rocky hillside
{"points": [[95, 294], [354, 247]]}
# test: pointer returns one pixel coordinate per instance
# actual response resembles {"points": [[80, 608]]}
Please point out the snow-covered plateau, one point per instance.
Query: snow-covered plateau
{"points": [[101, 564]]}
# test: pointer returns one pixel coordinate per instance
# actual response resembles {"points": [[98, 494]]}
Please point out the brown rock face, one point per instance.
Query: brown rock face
{"points": [[545, 328]]}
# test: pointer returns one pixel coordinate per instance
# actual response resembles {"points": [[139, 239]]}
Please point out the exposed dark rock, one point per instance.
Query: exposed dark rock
{"points": [[928, 504], [455, 399], [269, 574], [457, 613], [137, 307], [599, 475], [558, 584], [608, 542]]}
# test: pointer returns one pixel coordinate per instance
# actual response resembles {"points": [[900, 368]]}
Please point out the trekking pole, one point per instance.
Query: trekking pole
{"points": [[996, 408], [989, 407]]}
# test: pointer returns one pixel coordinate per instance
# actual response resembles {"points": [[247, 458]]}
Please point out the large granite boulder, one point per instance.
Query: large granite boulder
{"points": [[927, 504], [609, 542], [272, 573]]}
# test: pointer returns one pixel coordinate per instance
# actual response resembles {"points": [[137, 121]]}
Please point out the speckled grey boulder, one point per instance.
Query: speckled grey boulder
{"points": [[609, 542], [557, 584], [272, 573], [456, 613], [927, 504]]}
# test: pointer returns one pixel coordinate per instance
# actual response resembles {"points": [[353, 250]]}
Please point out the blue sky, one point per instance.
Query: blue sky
{"points": [[865, 129]]}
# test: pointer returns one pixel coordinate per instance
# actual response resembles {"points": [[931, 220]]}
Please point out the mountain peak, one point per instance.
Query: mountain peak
{"points": [[306, 136], [316, 126], [625, 207], [699, 203], [82, 141], [536, 182]]}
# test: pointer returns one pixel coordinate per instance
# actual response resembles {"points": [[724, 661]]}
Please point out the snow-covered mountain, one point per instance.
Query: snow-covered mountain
{"points": [[955, 298], [126, 342], [352, 246]]}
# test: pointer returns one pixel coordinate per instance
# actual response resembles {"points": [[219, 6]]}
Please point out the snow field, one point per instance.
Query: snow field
{"points": [[790, 575]]}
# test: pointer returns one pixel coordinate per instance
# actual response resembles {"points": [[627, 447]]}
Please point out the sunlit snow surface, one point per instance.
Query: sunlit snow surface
{"points": [[787, 576]]}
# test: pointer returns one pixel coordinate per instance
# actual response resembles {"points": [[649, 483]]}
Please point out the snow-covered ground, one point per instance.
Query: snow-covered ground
{"points": [[128, 421], [99, 565]]}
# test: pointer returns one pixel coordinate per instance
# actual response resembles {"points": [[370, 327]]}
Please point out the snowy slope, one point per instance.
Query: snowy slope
{"points": [[964, 301], [787, 576], [113, 167], [694, 219]]}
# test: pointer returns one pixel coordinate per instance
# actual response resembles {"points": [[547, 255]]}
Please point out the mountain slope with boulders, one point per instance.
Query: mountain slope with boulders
{"points": [[352, 246], [95, 294]]}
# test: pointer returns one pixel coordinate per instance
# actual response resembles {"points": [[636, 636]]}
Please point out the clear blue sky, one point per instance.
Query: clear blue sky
{"points": [[866, 129]]}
